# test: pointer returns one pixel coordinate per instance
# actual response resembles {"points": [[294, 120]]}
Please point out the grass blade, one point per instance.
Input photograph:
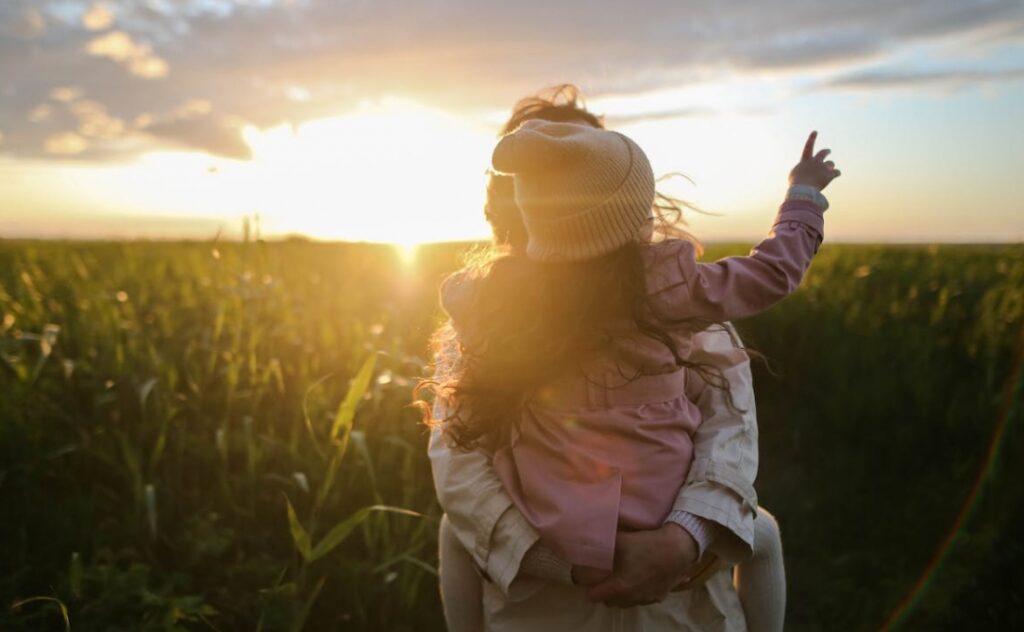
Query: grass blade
{"points": [[75, 574], [299, 535], [342, 530], [300, 620], [305, 414], [347, 409], [60, 604]]}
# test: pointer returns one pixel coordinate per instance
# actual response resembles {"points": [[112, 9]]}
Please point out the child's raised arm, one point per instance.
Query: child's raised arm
{"points": [[736, 287]]}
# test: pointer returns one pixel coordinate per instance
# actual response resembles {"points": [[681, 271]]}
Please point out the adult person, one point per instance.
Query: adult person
{"points": [[713, 514]]}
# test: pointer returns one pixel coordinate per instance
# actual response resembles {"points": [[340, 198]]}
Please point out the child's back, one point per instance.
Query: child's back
{"points": [[606, 444]]}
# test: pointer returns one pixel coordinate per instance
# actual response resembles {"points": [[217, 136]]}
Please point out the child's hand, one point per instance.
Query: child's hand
{"points": [[813, 169], [588, 575]]}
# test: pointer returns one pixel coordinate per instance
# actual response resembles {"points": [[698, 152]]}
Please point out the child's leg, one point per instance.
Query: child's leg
{"points": [[761, 581], [461, 587]]}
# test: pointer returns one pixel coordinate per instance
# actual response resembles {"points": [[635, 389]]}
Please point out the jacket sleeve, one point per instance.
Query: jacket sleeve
{"points": [[482, 515], [720, 484], [736, 287]]}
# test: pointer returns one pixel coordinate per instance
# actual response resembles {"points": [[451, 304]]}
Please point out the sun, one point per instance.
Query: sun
{"points": [[392, 171], [388, 171], [395, 171], [407, 252]]}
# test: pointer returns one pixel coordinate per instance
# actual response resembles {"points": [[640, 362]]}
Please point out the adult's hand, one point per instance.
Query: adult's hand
{"points": [[648, 564]]}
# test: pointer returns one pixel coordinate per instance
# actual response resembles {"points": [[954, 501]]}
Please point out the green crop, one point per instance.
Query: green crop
{"points": [[218, 436]]}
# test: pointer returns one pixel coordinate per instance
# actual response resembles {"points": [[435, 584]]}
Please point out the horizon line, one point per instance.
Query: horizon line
{"points": [[302, 238]]}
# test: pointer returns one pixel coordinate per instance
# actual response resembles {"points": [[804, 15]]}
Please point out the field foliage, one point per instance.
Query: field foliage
{"points": [[216, 436]]}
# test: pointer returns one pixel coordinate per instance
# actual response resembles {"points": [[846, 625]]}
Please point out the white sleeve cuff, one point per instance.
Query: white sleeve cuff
{"points": [[542, 563], [511, 538], [702, 531], [808, 193]]}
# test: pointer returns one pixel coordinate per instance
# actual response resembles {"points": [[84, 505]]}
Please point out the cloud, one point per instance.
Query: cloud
{"points": [[66, 144], [194, 124], [193, 108], [615, 120], [40, 113], [97, 18], [22, 22], [214, 135], [807, 48], [138, 58], [263, 62], [676, 113], [94, 122], [65, 94], [881, 79]]}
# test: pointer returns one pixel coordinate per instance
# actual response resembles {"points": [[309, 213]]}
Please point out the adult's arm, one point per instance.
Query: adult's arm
{"points": [[482, 515], [480, 512], [719, 487]]}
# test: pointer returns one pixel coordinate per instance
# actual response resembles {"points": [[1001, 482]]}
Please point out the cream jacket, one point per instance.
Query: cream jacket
{"points": [[719, 488]]}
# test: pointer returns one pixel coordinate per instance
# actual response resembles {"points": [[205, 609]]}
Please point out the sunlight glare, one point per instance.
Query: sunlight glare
{"points": [[406, 253], [391, 172]]}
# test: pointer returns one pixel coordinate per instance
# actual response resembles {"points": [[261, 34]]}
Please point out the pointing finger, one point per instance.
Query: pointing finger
{"points": [[809, 146]]}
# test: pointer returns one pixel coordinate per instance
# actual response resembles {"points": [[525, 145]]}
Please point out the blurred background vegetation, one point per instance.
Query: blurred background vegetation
{"points": [[216, 436]]}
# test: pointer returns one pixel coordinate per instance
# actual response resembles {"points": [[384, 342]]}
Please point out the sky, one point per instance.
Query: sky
{"points": [[374, 120]]}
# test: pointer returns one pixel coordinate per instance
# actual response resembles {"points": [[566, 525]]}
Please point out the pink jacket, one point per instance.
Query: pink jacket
{"points": [[595, 453]]}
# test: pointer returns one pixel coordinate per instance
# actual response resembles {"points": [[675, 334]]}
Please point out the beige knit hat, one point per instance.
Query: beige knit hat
{"points": [[583, 191]]}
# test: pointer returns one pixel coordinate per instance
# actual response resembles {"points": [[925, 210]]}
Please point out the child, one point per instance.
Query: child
{"points": [[570, 357]]}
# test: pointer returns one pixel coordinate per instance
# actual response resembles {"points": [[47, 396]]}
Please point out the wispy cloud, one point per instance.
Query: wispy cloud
{"points": [[66, 144], [882, 79], [97, 18], [261, 62], [123, 49]]}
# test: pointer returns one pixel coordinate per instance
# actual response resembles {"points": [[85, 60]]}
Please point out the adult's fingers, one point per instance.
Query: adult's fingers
{"points": [[624, 602], [809, 146], [611, 588], [615, 592], [630, 598], [830, 164], [821, 154]]}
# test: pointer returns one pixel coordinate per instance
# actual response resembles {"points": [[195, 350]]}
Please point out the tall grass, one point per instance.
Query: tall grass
{"points": [[198, 435], [216, 436]]}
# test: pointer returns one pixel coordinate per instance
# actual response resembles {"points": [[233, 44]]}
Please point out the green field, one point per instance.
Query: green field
{"points": [[162, 405]]}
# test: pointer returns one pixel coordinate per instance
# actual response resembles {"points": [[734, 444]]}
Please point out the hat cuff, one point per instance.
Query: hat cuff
{"points": [[595, 231]]}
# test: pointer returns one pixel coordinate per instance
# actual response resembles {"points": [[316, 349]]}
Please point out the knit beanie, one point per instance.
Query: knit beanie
{"points": [[583, 191]]}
